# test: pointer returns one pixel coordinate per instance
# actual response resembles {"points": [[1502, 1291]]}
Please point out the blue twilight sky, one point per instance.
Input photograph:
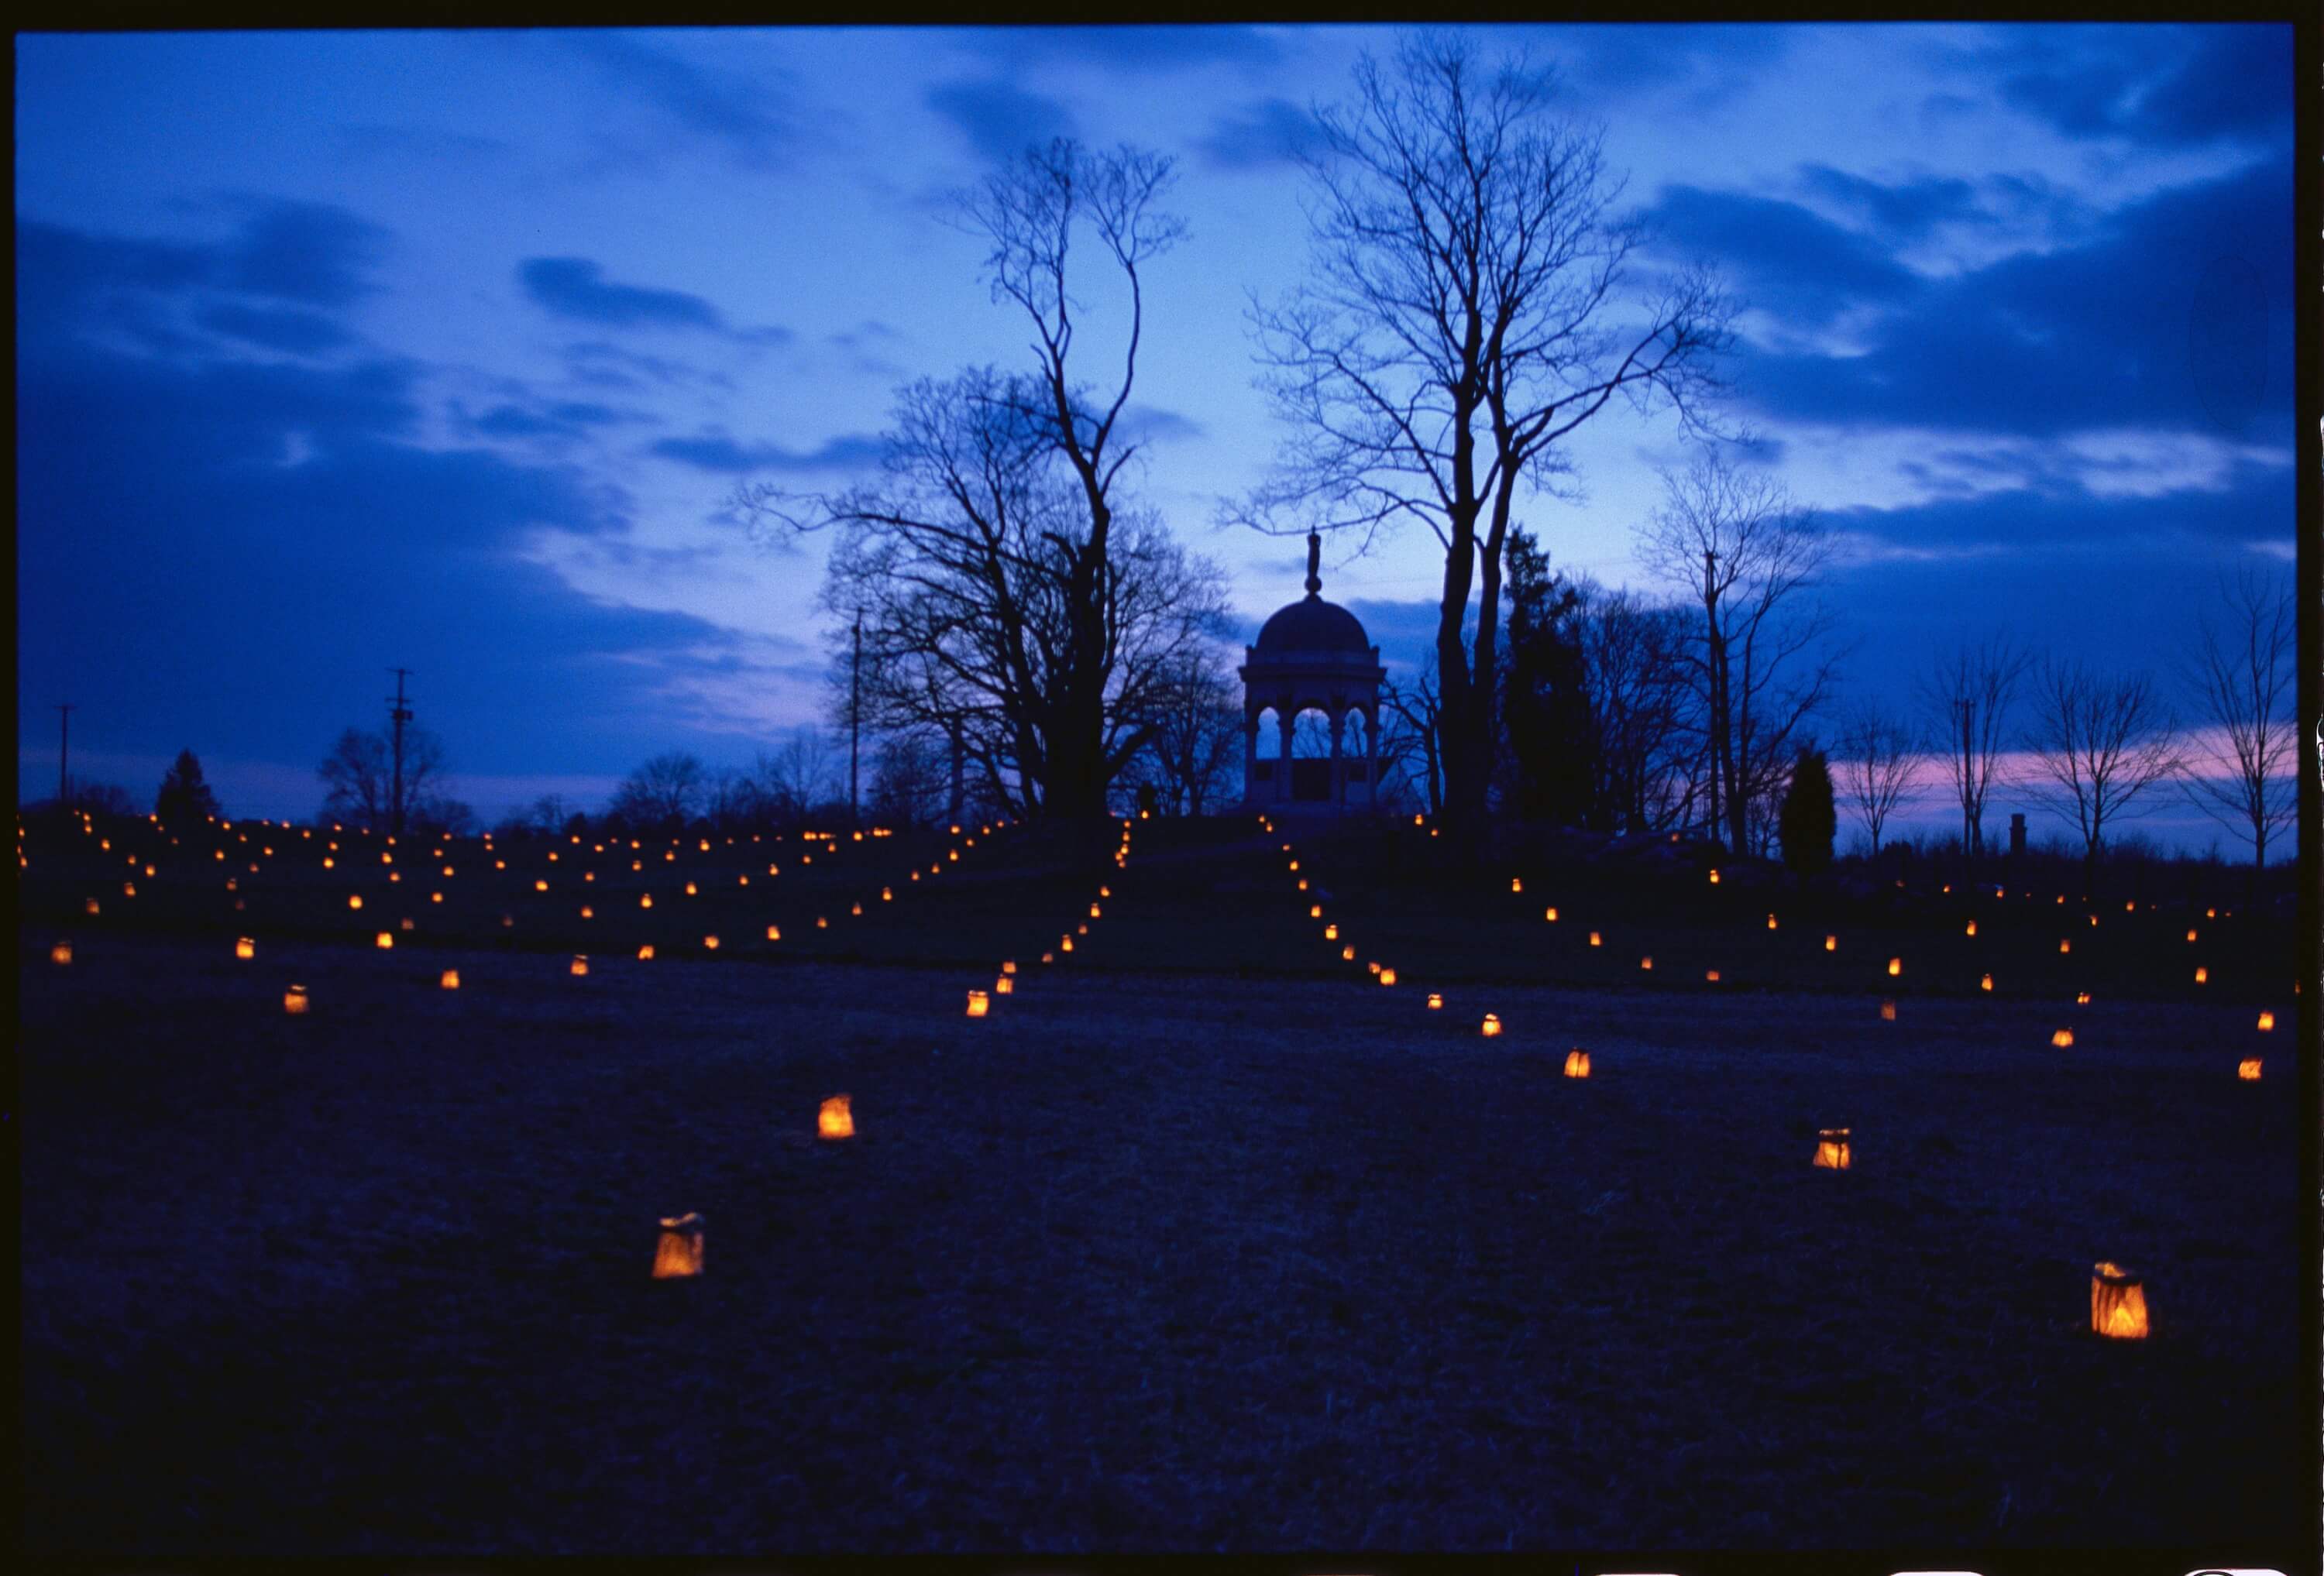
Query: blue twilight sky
{"points": [[339, 351]]}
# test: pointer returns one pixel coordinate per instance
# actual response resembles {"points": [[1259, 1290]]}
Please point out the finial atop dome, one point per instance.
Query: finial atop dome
{"points": [[1314, 564]]}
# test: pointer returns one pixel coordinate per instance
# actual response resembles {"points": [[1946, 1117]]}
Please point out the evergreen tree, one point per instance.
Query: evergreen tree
{"points": [[1545, 713], [184, 797], [1808, 818]]}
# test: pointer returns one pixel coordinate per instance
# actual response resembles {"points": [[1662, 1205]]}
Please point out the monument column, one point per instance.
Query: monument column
{"points": [[1285, 719], [1339, 765]]}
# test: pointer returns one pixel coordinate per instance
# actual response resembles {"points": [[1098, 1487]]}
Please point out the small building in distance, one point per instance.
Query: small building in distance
{"points": [[1311, 656]]}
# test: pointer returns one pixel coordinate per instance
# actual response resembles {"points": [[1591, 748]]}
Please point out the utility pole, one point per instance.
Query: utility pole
{"points": [[1718, 716], [398, 713], [855, 723], [64, 747]]}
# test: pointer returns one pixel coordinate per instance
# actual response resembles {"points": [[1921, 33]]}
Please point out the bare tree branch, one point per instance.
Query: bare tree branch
{"points": [[1013, 603], [1760, 660], [1966, 700], [1460, 321], [1878, 754], [2241, 676], [2098, 744]]}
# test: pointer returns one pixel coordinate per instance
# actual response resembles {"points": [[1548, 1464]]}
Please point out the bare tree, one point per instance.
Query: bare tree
{"points": [[1458, 325], [1002, 507], [800, 776], [1408, 778], [93, 798], [664, 792], [439, 815], [730, 800], [1734, 539], [1197, 745], [909, 785], [1419, 707], [355, 778], [2241, 676], [1877, 755], [1966, 698], [2098, 744], [964, 566], [358, 776], [1634, 662]]}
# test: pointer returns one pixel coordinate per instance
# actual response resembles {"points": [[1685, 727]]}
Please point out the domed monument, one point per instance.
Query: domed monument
{"points": [[1311, 656]]}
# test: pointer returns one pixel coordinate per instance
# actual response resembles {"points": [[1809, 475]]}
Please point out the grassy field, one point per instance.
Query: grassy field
{"points": [[1199, 1241]]}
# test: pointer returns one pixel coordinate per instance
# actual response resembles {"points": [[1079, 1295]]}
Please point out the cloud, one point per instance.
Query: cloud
{"points": [[2085, 499], [729, 107], [306, 252], [315, 257], [1270, 131], [1000, 119], [870, 331], [1715, 60], [2134, 605], [2237, 83], [1890, 467], [71, 285], [2163, 87], [300, 333], [1404, 631], [1782, 257], [2167, 317], [713, 452], [1142, 50], [191, 520], [574, 287], [1152, 424], [605, 364], [562, 420], [1906, 211], [866, 347], [57, 266]]}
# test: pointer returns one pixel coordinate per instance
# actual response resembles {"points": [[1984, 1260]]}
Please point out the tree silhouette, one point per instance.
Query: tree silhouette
{"points": [[908, 785], [358, 780], [2098, 744], [663, 793], [184, 795], [1807, 820], [2240, 674], [1545, 708], [1734, 539], [1011, 598], [799, 777], [1459, 324], [1876, 767], [1967, 698], [1196, 744], [1634, 660], [107, 799], [1419, 709]]}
